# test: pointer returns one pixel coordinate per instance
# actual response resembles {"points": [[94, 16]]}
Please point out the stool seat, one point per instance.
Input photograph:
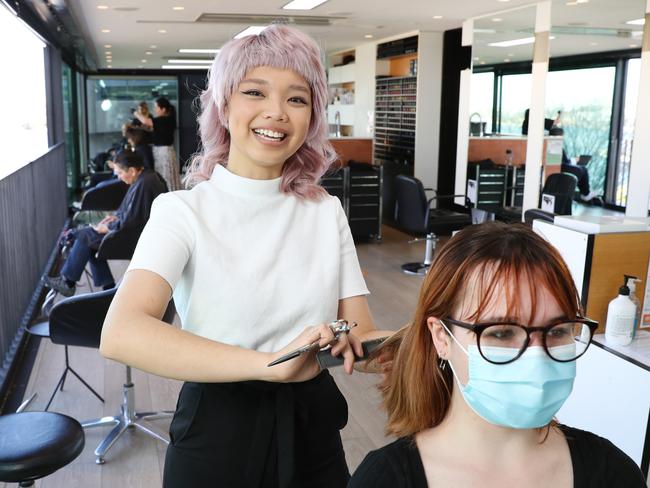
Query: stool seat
{"points": [[36, 444]]}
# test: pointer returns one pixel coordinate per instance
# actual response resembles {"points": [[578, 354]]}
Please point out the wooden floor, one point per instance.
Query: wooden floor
{"points": [[136, 460]]}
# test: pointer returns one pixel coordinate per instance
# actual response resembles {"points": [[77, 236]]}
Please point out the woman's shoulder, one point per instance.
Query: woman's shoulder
{"points": [[598, 462], [396, 465]]}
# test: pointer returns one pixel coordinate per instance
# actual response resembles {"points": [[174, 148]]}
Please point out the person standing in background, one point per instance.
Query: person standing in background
{"points": [[164, 154]]}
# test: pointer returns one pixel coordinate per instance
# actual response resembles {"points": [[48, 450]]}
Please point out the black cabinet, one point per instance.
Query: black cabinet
{"points": [[398, 47]]}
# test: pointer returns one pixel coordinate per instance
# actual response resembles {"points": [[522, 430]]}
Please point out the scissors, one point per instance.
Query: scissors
{"points": [[339, 327]]}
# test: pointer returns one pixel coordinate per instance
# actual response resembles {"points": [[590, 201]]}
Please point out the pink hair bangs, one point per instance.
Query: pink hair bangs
{"points": [[280, 47]]}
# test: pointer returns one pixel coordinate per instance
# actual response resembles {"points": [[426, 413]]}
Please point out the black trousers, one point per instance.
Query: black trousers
{"points": [[256, 434]]}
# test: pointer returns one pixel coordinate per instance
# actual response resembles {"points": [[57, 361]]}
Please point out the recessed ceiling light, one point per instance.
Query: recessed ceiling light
{"points": [[253, 30], [303, 4], [140, 66], [185, 66], [437, 17], [497, 19], [199, 51], [108, 46], [504, 0], [511, 54], [109, 52], [506, 60], [102, 7], [571, 4], [582, 1], [482, 62], [143, 60], [634, 45], [106, 31], [190, 61], [636, 22], [148, 53], [593, 43], [368, 36], [476, 58], [109, 66], [178, 8], [153, 46], [162, 31]]}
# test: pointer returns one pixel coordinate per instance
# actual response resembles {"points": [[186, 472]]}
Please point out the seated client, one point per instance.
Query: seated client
{"points": [[480, 373], [132, 214]]}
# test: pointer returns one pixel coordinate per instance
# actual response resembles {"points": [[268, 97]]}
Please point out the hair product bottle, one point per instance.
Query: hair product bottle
{"points": [[621, 314], [631, 284]]}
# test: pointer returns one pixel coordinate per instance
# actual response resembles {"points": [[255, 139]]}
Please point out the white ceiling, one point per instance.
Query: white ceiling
{"points": [[135, 25]]}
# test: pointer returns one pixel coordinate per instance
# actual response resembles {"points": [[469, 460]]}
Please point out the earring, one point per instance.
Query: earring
{"points": [[442, 364]]}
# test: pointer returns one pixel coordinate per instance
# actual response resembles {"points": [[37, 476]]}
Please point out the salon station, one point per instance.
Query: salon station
{"points": [[443, 115]]}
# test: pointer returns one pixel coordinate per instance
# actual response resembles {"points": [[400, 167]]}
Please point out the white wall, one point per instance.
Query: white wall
{"points": [[427, 119], [364, 87]]}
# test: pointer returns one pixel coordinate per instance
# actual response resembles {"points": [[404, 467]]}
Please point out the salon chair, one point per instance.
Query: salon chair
{"points": [[416, 214], [106, 197], [538, 214], [77, 321], [36, 444]]}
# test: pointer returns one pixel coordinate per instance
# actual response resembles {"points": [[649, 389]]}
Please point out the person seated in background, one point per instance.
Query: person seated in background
{"points": [[136, 139], [144, 186], [477, 378], [554, 128]]}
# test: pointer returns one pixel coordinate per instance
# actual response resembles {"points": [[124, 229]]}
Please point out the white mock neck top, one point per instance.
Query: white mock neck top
{"points": [[250, 265]]}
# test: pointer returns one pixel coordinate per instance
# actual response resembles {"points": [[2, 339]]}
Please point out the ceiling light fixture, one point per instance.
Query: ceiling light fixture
{"points": [[178, 8], [368, 36], [252, 30], [109, 66], [153, 46], [303, 4], [106, 31], [102, 7], [513, 42], [497, 19], [190, 61], [437, 17], [143, 60], [162, 31], [636, 22], [199, 51], [108, 46], [185, 66], [634, 45]]}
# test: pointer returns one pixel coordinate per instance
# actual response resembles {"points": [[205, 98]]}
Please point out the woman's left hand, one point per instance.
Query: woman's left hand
{"points": [[349, 346]]}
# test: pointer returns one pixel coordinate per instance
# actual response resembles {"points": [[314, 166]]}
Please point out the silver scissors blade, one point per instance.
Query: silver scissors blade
{"points": [[338, 327]]}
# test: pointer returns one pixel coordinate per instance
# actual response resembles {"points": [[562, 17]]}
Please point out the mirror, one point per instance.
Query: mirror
{"points": [[500, 91], [593, 85]]}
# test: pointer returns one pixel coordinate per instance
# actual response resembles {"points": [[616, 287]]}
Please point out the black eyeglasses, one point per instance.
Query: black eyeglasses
{"points": [[505, 342]]}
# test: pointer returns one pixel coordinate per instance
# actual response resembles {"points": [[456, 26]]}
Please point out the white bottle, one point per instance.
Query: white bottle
{"points": [[631, 284], [620, 318]]}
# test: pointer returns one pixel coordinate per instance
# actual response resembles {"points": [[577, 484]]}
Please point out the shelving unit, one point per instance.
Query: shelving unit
{"points": [[395, 105]]}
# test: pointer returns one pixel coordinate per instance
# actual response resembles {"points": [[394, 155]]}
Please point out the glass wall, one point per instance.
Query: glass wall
{"points": [[22, 97], [622, 174], [514, 94], [110, 101], [480, 101], [584, 97], [69, 127]]}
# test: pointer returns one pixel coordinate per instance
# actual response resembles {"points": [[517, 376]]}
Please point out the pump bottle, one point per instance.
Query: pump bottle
{"points": [[631, 284], [621, 313]]}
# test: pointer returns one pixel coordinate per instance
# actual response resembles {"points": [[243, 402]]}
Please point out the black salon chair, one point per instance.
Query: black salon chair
{"points": [[106, 197], [416, 214], [538, 214], [77, 321]]}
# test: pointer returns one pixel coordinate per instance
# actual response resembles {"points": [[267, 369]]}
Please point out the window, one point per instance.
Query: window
{"points": [[627, 132], [22, 98], [515, 99], [585, 98], [480, 102], [110, 101]]}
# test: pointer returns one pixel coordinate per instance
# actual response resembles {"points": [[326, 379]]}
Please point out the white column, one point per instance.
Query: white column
{"points": [[462, 139], [364, 87], [427, 117], [638, 190], [535, 143]]}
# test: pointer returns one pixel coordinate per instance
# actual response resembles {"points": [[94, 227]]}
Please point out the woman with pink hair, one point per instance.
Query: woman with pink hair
{"points": [[256, 255]]}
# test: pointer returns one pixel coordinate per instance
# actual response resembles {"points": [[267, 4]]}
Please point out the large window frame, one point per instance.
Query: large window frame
{"points": [[616, 59]]}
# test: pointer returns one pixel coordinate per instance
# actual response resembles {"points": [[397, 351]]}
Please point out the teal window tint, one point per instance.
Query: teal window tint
{"points": [[585, 98], [69, 128], [110, 100]]}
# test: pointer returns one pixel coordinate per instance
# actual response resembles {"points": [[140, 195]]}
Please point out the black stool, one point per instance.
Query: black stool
{"points": [[36, 444]]}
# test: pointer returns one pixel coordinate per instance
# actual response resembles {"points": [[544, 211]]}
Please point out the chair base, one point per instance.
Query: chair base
{"points": [[125, 419], [419, 269]]}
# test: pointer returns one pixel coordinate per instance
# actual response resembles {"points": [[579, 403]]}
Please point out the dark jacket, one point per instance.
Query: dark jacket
{"points": [[134, 210]]}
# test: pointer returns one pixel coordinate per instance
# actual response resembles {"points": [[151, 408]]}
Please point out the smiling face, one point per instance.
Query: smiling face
{"points": [[268, 119]]}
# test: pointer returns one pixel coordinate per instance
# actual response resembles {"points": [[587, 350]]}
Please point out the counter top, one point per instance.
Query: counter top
{"points": [[603, 224], [638, 352], [348, 138], [513, 137]]}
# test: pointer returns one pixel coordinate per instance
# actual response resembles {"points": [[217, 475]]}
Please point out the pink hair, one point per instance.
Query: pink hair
{"points": [[281, 47]]}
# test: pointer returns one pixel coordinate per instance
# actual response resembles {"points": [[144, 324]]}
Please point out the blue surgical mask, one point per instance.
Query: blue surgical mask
{"points": [[523, 394]]}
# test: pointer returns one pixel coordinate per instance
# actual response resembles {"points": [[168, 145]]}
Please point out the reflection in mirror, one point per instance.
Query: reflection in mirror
{"points": [[500, 91], [592, 85]]}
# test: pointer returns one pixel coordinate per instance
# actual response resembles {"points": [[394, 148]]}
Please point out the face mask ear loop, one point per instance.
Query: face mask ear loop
{"points": [[451, 366]]}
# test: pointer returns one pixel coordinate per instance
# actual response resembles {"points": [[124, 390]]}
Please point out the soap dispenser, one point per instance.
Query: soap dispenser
{"points": [[621, 313], [631, 284]]}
